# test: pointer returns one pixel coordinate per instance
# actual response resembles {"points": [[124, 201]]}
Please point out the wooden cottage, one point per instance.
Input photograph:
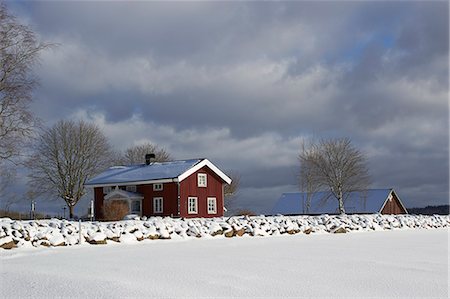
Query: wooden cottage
{"points": [[383, 201], [185, 188]]}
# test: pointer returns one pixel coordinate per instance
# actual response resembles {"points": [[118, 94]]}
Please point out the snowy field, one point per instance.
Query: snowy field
{"points": [[395, 263]]}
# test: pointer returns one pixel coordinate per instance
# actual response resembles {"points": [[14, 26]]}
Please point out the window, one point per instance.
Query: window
{"points": [[107, 189], [212, 205], [136, 207], [157, 205], [131, 188], [201, 180], [192, 205], [157, 187]]}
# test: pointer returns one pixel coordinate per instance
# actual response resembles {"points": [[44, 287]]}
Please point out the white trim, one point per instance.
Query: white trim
{"points": [[215, 205], [196, 205], [162, 205], [158, 184], [174, 180], [202, 175], [201, 164], [404, 208]]}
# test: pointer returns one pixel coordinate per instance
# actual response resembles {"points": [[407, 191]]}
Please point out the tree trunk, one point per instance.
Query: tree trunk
{"points": [[70, 211], [341, 202], [308, 202]]}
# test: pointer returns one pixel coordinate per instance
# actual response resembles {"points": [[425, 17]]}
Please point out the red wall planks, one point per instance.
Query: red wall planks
{"points": [[189, 188], [393, 206]]}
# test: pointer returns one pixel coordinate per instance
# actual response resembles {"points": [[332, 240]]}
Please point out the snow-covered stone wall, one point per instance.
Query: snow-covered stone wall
{"points": [[54, 232]]}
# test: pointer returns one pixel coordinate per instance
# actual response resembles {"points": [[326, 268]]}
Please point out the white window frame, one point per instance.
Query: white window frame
{"points": [[107, 189], [192, 211], [158, 187], [161, 205], [131, 188], [131, 206], [213, 200], [202, 180]]}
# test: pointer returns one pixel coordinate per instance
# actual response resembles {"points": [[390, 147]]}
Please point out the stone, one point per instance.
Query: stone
{"points": [[44, 243], [8, 245], [307, 231], [217, 232], [293, 231], [240, 232], [97, 238], [97, 242], [340, 230], [229, 233], [115, 239]]}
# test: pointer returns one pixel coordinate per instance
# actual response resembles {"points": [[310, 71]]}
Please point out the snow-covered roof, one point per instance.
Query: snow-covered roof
{"points": [[155, 172], [369, 201]]}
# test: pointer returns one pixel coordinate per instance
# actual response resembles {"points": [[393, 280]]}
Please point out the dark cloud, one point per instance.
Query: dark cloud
{"points": [[239, 82]]}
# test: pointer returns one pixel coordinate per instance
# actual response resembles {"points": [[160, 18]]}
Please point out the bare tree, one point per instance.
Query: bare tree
{"points": [[7, 177], [336, 165], [66, 155], [19, 52], [307, 180], [230, 191], [136, 154]]}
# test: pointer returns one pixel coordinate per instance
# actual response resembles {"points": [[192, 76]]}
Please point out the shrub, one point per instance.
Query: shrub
{"points": [[115, 210]]}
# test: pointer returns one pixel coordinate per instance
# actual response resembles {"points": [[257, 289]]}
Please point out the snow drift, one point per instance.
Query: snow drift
{"points": [[54, 232]]}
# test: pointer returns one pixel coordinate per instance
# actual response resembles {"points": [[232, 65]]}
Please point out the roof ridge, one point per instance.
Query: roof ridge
{"points": [[164, 162], [370, 189]]}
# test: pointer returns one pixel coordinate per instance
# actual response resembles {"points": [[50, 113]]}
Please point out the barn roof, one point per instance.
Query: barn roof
{"points": [[154, 172], [369, 201]]}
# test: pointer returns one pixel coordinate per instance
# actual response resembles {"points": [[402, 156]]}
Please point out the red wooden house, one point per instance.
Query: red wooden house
{"points": [[187, 188]]}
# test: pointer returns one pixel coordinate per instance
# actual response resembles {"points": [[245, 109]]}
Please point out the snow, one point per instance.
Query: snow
{"points": [[56, 232], [142, 172], [393, 263]]}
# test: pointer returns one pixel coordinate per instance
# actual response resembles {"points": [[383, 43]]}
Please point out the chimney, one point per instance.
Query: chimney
{"points": [[149, 158]]}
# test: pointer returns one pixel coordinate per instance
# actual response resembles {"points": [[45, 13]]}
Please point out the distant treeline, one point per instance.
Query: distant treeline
{"points": [[430, 210]]}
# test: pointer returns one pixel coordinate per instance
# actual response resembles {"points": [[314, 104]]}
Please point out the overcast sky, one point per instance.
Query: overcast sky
{"points": [[243, 83]]}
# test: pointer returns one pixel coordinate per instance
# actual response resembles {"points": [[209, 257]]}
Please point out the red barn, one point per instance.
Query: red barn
{"points": [[185, 188], [371, 201]]}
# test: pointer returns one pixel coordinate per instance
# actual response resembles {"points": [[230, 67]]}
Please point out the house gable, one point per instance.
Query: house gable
{"points": [[202, 164], [214, 189], [393, 205]]}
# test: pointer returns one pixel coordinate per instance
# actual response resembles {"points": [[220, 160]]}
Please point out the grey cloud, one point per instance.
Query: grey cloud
{"points": [[377, 72]]}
